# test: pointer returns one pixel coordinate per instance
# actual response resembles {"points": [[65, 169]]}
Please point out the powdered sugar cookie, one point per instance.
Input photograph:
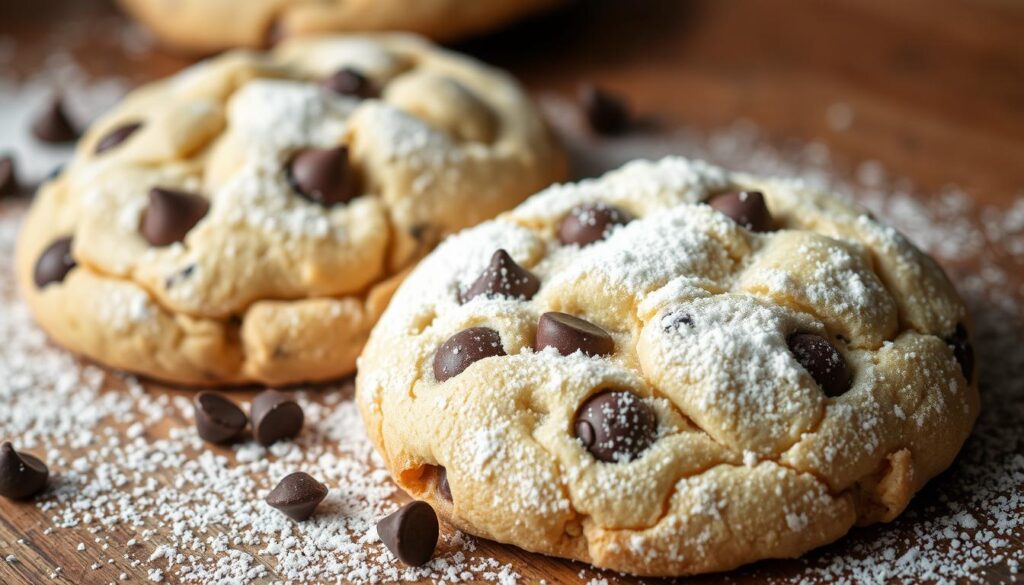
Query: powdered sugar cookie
{"points": [[248, 219], [672, 369]]}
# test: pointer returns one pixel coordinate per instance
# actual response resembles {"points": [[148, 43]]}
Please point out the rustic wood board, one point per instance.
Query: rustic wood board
{"points": [[936, 93]]}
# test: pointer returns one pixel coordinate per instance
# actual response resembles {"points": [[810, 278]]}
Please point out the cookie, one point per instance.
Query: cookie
{"points": [[673, 369], [213, 25], [248, 219]]}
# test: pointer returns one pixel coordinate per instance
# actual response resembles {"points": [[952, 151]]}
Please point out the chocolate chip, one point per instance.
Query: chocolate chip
{"points": [[172, 280], [676, 321], [569, 334], [464, 348], [52, 124], [297, 495], [323, 175], [54, 263], [218, 420], [746, 208], [349, 81], [117, 136], [616, 426], [607, 113], [822, 361], [275, 416], [963, 350], [170, 215], [21, 475], [8, 178], [410, 533], [443, 487], [591, 222], [503, 277]]}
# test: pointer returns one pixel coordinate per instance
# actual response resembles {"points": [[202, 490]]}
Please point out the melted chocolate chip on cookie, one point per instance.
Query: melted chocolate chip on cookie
{"points": [[591, 222], [116, 136], [349, 81], [569, 334], [503, 277], [54, 263], [963, 350], [323, 175], [170, 215], [746, 208], [410, 533], [822, 361], [463, 349], [616, 426]]}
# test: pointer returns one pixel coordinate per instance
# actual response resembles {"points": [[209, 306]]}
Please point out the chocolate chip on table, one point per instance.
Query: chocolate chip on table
{"points": [[52, 125], [218, 419], [54, 263], [410, 533], [963, 350], [463, 349], [8, 177], [275, 416], [323, 175], [822, 361], [503, 277], [590, 222], [170, 215], [569, 334], [21, 475], [297, 495], [746, 208], [349, 81], [616, 426], [116, 136], [606, 113]]}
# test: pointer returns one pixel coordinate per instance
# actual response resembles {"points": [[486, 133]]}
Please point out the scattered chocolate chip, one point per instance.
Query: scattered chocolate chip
{"points": [[349, 81], [503, 277], [54, 263], [569, 334], [297, 495], [52, 125], [410, 533], [746, 208], [822, 361], [616, 426], [170, 215], [275, 416], [323, 175], [117, 136], [8, 178], [218, 419], [464, 348], [963, 350], [607, 113], [590, 222], [21, 475]]}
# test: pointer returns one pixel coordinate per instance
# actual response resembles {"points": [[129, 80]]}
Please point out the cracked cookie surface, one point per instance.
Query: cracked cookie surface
{"points": [[672, 369], [247, 219]]}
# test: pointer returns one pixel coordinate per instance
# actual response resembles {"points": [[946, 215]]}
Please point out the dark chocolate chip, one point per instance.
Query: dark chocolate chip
{"points": [[275, 416], [464, 348], [8, 177], [607, 113], [443, 486], [297, 495], [963, 350], [569, 334], [822, 361], [503, 277], [52, 124], [349, 81], [616, 426], [323, 175], [590, 222], [410, 533], [116, 136], [676, 321], [170, 215], [172, 280], [746, 208], [218, 419], [21, 475], [54, 263]]}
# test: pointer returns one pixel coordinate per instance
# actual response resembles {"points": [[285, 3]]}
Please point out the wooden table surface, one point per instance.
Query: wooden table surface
{"points": [[932, 90]]}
